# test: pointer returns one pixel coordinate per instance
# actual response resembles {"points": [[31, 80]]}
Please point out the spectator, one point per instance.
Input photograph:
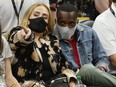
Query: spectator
{"points": [[53, 5], [37, 51], [6, 77], [12, 12], [105, 28], [92, 8], [89, 9], [102, 5], [82, 48]]}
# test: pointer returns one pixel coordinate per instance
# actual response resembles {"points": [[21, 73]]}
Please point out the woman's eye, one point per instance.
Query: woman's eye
{"points": [[45, 18], [35, 15]]}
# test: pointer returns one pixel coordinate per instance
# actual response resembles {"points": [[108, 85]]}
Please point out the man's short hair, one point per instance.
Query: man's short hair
{"points": [[67, 7]]}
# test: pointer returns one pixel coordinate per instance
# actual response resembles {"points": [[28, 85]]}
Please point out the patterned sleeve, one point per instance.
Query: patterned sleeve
{"points": [[16, 40]]}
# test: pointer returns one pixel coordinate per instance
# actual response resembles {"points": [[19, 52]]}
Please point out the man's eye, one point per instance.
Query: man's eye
{"points": [[71, 22], [62, 23]]}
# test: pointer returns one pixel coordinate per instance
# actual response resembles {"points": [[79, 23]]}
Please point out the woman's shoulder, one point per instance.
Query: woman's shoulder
{"points": [[6, 48], [52, 37], [5, 43], [4, 40]]}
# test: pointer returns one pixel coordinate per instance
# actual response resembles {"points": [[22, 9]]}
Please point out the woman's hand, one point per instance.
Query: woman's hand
{"points": [[25, 32]]}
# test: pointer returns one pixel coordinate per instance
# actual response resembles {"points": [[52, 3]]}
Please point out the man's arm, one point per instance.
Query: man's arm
{"points": [[46, 2], [100, 59], [107, 39], [10, 79], [101, 5]]}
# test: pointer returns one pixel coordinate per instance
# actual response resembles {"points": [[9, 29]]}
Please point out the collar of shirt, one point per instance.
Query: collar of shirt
{"points": [[114, 8]]}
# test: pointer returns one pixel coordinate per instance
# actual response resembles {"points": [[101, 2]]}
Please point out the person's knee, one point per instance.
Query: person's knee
{"points": [[86, 70], [87, 67]]}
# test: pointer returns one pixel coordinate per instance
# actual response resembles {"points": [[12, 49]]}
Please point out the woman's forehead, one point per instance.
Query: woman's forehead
{"points": [[42, 9]]}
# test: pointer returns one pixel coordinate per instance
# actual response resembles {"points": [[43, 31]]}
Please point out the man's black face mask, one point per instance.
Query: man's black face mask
{"points": [[37, 24]]}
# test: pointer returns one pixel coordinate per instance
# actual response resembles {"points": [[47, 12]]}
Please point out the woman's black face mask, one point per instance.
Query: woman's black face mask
{"points": [[37, 24]]}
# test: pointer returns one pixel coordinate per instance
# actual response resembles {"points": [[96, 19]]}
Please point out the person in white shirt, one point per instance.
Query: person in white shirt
{"points": [[12, 11], [102, 5], [6, 77], [105, 27]]}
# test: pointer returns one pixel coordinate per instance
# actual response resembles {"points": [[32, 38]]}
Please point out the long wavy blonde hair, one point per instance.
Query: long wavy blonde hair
{"points": [[25, 20]]}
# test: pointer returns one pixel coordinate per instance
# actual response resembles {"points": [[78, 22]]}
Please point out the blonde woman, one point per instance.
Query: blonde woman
{"points": [[37, 51]]}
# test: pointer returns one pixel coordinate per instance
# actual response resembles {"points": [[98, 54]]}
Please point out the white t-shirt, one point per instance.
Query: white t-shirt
{"points": [[7, 13], [6, 53], [105, 27]]}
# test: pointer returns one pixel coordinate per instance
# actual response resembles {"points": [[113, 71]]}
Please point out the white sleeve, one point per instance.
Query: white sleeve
{"points": [[6, 53], [1, 2], [106, 36], [46, 2]]}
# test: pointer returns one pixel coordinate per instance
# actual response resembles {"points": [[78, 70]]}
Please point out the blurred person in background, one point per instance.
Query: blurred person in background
{"points": [[104, 26], [12, 12], [6, 77]]}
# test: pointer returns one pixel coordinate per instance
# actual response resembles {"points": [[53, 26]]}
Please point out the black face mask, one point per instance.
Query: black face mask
{"points": [[37, 24]]}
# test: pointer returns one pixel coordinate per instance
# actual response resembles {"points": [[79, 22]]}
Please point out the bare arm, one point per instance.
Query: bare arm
{"points": [[10, 79], [101, 5], [113, 59]]}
